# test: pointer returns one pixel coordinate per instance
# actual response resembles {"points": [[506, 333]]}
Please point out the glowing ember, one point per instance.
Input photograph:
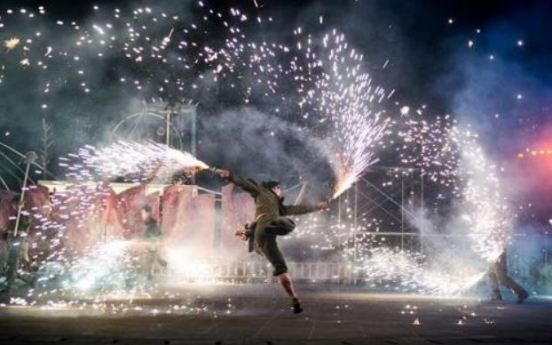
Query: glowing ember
{"points": [[11, 43]]}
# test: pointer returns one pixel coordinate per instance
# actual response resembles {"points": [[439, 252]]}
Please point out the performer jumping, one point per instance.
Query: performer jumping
{"points": [[270, 221]]}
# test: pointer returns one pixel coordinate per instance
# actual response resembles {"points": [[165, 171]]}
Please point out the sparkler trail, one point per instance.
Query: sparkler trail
{"points": [[131, 159], [452, 156], [488, 216], [343, 95]]}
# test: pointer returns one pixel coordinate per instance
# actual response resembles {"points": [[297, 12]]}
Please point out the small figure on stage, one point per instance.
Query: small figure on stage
{"points": [[152, 236], [270, 221], [17, 263], [498, 274]]}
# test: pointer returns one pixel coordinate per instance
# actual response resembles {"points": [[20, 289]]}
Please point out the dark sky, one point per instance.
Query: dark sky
{"points": [[507, 71]]}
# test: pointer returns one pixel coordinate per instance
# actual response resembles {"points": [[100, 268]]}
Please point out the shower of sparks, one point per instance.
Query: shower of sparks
{"points": [[488, 217], [78, 258], [452, 157], [336, 98], [448, 156], [321, 77], [336, 91], [430, 147], [408, 272], [101, 267], [128, 159]]}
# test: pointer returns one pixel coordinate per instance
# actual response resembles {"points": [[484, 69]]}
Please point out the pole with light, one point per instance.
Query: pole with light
{"points": [[30, 158]]}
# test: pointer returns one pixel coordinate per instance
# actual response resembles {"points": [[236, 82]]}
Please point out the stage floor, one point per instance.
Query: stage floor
{"points": [[259, 314]]}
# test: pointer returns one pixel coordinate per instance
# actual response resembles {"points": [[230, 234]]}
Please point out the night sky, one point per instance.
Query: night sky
{"points": [[487, 63]]}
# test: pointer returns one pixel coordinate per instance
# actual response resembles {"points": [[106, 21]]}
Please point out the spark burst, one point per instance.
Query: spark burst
{"points": [[488, 215], [344, 96], [11, 43], [131, 159]]}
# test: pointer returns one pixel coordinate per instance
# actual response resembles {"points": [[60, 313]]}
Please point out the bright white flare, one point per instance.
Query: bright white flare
{"points": [[339, 93], [133, 158]]}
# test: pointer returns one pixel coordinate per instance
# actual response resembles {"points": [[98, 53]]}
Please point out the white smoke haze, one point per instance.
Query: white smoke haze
{"points": [[266, 147]]}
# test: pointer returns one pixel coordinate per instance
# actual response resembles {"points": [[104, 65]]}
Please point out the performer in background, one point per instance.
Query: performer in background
{"points": [[498, 274], [270, 221], [152, 236], [17, 263]]}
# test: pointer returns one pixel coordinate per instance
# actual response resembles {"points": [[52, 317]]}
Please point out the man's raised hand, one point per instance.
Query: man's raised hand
{"points": [[322, 205], [223, 173]]}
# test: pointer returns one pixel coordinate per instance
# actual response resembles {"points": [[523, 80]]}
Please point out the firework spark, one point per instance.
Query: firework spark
{"points": [[131, 160], [11, 43], [336, 91], [488, 216]]}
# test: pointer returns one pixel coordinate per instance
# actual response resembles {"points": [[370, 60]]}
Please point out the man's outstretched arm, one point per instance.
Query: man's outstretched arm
{"points": [[302, 209], [246, 184]]}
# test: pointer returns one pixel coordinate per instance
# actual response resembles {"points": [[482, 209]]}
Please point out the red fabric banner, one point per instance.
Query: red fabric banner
{"points": [[5, 207], [194, 233], [169, 208], [87, 215], [237, 209], [131, 202]]}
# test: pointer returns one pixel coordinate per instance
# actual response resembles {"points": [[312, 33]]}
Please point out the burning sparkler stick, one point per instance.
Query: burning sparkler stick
{"points": [[131, 158]]}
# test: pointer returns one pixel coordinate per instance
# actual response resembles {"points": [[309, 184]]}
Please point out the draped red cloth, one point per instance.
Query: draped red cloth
{"points": [[111, 212], [169, 208], [88, 214], [237, 209], [188, 224], [36, 197], [131, 201], [195, 228], [5, 212], [75, 206], [153, 201], [5, 207], [183, 216]]}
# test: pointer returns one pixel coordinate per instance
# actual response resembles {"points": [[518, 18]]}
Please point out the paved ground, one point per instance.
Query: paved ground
{"points": [[258, 314]]}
